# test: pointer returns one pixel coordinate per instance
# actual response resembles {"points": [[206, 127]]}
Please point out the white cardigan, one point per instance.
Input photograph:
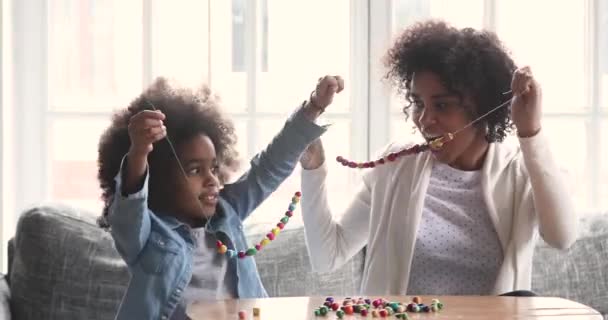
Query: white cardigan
{"points": [[523, 189]]}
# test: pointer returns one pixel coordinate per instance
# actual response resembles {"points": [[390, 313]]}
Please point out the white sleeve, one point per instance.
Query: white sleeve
{"points": [[552, 198], [330, 242]]}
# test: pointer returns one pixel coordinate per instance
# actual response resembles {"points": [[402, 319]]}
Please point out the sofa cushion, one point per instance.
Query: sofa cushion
{"points": [[64, 267], [285, 269], [5, 310], [581, 273]]}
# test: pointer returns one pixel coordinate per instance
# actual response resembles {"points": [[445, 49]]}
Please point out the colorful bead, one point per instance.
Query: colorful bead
{"points": [[417, 300], [382, 313], [389, 311], [276, 231], [400, 309], [334, 305], [348, 310], [402, 316], [242, 315], [317, 312], [323, 310], [330, 299], [256, 312], [222, 249], [394, 306], [434, 308], [394, 155], [340, 314], [364, 312], [375, 313]]}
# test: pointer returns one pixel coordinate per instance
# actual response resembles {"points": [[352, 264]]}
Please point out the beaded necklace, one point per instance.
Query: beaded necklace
{"points": [[434, 144], [221, 247]]}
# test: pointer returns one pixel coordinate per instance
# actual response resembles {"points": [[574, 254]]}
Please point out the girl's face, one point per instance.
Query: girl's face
{"points": [[437, 111], [196, 195]]}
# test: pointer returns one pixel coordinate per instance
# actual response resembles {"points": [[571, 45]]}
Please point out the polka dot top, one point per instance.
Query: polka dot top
{"points": [[457, 250]]}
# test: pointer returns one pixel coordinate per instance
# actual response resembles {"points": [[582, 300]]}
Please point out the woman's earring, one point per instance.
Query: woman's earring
{"points": [[414, 129]]}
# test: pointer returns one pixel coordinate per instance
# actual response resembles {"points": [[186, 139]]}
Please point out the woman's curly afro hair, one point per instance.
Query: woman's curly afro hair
{"points": [[187, 114], [468, 62]]}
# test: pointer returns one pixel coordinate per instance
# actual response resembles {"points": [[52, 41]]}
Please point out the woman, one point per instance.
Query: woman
{"points": [[461, 220]]}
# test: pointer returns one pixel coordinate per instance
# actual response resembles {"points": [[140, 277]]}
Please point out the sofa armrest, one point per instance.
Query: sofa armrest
{"points": [[5, 294]]}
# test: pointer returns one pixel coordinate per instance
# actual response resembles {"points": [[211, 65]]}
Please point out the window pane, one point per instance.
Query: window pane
{"points": [[242, 148], [554, 48], [300, 50], [604, 168], [95, 53], [242, 138], [467, 13], [404, 131], [339, 178], [179, 50], [603, 53], [231, 86], [571, 153], [238, 35], [73, 169]]}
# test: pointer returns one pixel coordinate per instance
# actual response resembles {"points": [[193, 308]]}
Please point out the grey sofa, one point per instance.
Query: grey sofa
{"points": [[63, 267]]}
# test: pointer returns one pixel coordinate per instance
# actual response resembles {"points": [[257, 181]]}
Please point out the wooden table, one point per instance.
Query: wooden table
{"points": [[456, 307]]}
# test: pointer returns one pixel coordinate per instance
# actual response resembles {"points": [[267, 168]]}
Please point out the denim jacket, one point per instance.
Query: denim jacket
{"points": [[158, 248]]}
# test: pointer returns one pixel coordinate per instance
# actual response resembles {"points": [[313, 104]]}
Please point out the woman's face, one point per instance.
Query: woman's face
{"points": [[437, 111]]}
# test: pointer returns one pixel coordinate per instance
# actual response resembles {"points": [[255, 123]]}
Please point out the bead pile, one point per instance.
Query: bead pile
{"points": [[435, 144], [223, 249], [376, 308]]}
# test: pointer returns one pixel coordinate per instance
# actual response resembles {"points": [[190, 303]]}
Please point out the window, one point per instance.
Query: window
{"points": [[97, 55], [563, 57], [238, 35], [93, 58], [602, 100]]}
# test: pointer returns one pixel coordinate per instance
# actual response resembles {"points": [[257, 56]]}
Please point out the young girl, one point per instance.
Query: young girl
{"points": [[162, 166], [463, 219]]}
